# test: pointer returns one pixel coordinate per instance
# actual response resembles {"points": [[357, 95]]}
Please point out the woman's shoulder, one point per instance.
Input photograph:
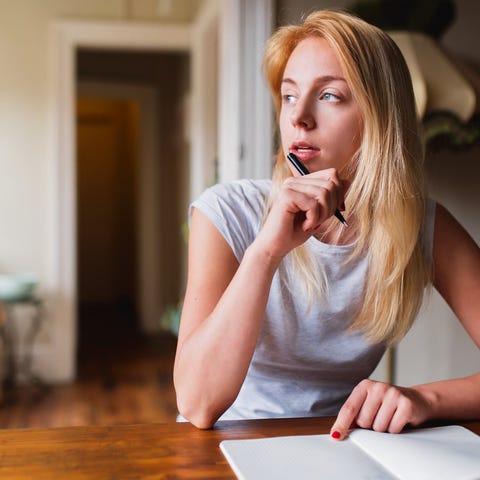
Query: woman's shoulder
{"points": [[244, 188], [243, 194], [236, 209]]}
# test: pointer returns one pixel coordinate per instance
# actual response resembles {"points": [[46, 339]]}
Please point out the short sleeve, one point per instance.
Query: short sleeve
{"points": [[236, 209]]}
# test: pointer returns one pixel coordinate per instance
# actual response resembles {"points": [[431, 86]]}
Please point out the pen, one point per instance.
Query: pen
{"points": [[303, 170]]}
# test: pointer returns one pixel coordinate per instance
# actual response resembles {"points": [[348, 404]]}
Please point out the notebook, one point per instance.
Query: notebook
{"points": [[439, 453]]}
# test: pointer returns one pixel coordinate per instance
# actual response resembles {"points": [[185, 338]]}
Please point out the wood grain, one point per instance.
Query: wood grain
{"points": [[153, 451], [120, 381]]}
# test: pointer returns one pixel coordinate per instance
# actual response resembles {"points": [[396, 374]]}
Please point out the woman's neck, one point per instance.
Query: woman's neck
{"points": [[335, 233]]}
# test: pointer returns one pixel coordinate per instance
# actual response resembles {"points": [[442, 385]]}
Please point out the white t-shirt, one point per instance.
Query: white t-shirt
{"points": [[306, 362]]}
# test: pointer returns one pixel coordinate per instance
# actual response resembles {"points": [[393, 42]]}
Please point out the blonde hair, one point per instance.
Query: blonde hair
{"points": [[387, 194]]}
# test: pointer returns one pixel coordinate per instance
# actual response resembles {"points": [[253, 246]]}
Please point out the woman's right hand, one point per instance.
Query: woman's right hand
{"points": [[302, 205]]}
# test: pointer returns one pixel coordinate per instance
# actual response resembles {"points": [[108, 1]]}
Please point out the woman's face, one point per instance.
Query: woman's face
{"points": [[320, 122]]}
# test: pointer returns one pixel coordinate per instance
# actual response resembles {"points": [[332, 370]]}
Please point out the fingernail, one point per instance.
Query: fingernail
{"points": [[342, 207], [317, 226], [336, 434]]}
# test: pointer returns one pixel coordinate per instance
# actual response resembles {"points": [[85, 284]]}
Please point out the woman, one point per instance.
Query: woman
{"points": [[287, 311]]}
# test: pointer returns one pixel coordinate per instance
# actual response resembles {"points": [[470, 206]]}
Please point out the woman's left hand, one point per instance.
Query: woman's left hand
{"points": [[381, 407]]}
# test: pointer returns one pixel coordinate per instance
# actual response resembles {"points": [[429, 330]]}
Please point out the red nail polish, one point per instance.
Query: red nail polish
{"points": [[336, 434]]}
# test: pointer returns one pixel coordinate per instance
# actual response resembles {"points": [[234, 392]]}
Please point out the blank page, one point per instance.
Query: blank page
{"points": [[305, 457], [450, 452]]}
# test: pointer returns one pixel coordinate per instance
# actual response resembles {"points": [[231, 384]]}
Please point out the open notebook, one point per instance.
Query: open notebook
{"points": [[450, 453]]}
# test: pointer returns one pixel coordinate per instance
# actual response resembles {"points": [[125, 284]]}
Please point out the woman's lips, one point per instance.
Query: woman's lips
{"points": [[304, 152]]}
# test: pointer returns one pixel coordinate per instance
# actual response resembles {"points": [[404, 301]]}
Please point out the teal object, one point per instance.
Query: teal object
{"points": [[17, 287]]}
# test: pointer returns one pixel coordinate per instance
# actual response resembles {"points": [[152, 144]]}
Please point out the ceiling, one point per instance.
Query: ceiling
{"points": [[174, 11]]}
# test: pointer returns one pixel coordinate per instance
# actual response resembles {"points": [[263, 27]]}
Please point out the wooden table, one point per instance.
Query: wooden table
{"points": [[154, 451]]}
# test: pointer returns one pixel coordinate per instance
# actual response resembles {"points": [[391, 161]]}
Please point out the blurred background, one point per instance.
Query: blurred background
{"points": [[113, 116]]}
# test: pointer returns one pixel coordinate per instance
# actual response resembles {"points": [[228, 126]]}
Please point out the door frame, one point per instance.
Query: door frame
{"points": [[246, 119], [66, 38]]}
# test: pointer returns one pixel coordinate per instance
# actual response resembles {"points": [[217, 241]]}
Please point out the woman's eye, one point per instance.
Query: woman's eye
{"points": [[330, 97], [287, 98]]}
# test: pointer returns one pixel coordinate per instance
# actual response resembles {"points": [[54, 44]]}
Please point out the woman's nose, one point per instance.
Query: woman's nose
{"points": [[302, 116]]}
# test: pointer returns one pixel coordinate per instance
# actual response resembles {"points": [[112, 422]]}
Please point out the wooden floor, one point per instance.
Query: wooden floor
{"points": [[124, 377]]}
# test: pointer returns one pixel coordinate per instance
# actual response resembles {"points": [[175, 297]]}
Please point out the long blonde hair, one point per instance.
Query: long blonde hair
{"points": [[387, 194]]}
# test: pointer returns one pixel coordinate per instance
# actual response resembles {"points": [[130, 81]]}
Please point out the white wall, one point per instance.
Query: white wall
{"points": [[26, 148], [24, 121]]}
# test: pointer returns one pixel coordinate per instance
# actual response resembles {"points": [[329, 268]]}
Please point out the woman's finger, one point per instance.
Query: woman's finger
{"points": [[349, 412]]}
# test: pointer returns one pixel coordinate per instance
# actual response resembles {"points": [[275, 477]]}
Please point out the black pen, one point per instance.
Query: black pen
{"points": [[303, 170]]}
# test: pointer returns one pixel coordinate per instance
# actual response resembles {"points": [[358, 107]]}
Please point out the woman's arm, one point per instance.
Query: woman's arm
{"points": [[225, 301], [457, 271], [221, 318], [383, 407]]}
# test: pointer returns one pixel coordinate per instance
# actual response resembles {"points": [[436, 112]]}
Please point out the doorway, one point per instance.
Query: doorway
{"points": [[132, 191], [107, 173], [58, 362]]}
